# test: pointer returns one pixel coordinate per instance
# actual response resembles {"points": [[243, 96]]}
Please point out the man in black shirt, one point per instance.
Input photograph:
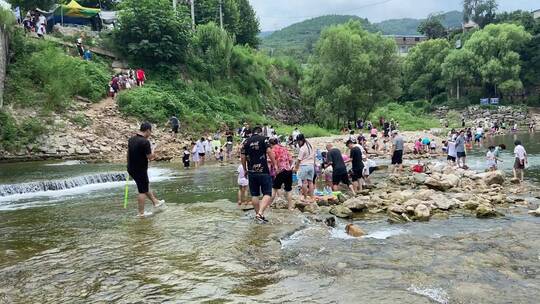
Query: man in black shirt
{"points": [[357, 165], [139, 153], [255, 162], [339, 174]]}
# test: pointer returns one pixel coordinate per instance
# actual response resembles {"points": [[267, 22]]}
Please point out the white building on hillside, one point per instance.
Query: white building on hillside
{"points": [[536, 14]]}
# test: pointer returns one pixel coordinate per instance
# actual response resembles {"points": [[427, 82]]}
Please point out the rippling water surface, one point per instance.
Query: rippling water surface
{"points": [[81, 246]]}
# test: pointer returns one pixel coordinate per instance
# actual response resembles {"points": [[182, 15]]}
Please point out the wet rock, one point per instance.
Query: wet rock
{"points": [[443, 203], [330, 221], [412, 203], [492, 178], [425, 194], [354, 230], [341, 211], [422, 213], [471, 205], [397, 208], [396, 218], [486, 211], [357, 204], [437, 184], [515, 181], [312, 208], [82, 150], [420, 178], [342, 198], [535, 212], [280, 203], [463, 197]]}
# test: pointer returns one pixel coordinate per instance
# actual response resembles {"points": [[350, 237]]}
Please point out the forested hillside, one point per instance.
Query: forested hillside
{"points": [[409, 26], [297, 40]]}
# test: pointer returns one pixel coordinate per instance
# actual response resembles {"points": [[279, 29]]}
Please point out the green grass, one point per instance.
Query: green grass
{"points": [[308, 130], [411, 116]]}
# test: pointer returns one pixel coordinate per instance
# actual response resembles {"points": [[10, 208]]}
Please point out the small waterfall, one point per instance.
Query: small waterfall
{"points": [[55, 185]]}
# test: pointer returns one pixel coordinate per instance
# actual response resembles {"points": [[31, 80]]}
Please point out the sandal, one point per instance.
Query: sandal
{"points": [[261, 218]]}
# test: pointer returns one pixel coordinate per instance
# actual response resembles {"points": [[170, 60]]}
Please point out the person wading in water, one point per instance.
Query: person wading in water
{"points": [[255, 154], [139, 154]]}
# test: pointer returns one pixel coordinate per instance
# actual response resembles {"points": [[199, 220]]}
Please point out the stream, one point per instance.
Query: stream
{"points": [[66, 238]]}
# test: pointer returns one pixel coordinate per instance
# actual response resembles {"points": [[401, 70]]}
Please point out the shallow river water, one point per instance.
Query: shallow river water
{"points": [[79, 245]]}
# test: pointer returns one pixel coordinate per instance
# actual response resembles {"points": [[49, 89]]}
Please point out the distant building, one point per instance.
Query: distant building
{"points": [[406, 42], [536, 14]]}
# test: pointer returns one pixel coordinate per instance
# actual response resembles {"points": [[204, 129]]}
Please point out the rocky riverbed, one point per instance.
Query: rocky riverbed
{"points": [[440, 192]]}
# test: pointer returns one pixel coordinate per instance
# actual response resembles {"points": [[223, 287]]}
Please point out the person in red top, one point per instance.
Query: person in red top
{"points": [[283, 172], [141, 77]]}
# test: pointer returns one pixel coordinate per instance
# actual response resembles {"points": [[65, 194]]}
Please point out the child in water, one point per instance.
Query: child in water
{"points": [[491, 159], [185, 157], [242, 186], [220, 156]]}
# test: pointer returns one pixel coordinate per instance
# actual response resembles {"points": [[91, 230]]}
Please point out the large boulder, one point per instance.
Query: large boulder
{"points": [[535, 212], [419, 178], [341, 211], [443, 203], [280, 203], [396, 218], [451, 179], [397, 209], [492, 178], [422, 213], [412, 203], [438, 184], [424, 195], [312, 208], [357, 203], [463, 197], [486, 211]]}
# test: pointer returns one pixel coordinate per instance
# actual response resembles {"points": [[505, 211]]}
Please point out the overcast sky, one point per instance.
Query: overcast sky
{"points": [[276, 14]]}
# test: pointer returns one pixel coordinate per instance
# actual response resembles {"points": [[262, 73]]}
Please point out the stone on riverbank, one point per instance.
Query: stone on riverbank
{"points": [[357, 204], [422, 213], [397, 218], [341, 211], [486, 211], [312, 208], [535, 212], [492, 178]]}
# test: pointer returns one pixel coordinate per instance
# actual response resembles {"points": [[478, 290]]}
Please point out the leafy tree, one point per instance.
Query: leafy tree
{"points": [[459, 69], [432, 27], [496, 48], [212, 49], [480, 11], [350, 72], [32, 4], [422, 69], [150, 32], [249, 28]]}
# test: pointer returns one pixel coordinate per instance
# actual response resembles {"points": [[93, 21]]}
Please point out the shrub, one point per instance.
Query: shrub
{"points": [[14, 136], [308, 130], [407, 115]]}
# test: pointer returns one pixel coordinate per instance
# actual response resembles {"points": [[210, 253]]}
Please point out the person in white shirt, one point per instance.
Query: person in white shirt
{"points": [[201, 151], [521, 160], [491, 160], [242, 186], [452, 153]]}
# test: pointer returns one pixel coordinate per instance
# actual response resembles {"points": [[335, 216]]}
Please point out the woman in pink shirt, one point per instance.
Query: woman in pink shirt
{"points": [[306, 166], [283, 177]]}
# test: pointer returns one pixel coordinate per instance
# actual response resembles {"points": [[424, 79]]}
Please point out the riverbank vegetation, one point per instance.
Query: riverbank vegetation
{"points": [[213, 77]]}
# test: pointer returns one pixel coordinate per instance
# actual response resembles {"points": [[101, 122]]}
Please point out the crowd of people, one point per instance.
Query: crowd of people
{"points": [[126, 81], [272, 165], [34, 22]]}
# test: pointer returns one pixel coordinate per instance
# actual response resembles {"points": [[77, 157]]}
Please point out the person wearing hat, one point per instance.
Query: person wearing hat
{"points": [[139, 154], [397, 151]]}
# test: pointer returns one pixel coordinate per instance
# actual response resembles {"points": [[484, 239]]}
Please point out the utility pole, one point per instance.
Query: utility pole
{"points": [[192, 14], [221, 13]]}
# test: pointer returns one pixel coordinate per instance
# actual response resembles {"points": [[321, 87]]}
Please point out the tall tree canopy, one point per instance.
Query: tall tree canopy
{"points": [[497, 48], [422, 69], [239, 18], [432, 27], [150, 32], [350, 72], [480, 11]]}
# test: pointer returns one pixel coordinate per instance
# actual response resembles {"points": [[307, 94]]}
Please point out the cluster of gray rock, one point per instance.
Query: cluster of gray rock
{"points": [[474, 115], [419, 197]]}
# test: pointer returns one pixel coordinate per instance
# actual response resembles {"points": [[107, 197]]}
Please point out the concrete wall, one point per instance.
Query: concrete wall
{"points": [[4, 53]]}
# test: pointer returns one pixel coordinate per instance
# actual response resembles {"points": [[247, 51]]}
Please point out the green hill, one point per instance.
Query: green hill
{"points": [[297, 40], [408, 26]]}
